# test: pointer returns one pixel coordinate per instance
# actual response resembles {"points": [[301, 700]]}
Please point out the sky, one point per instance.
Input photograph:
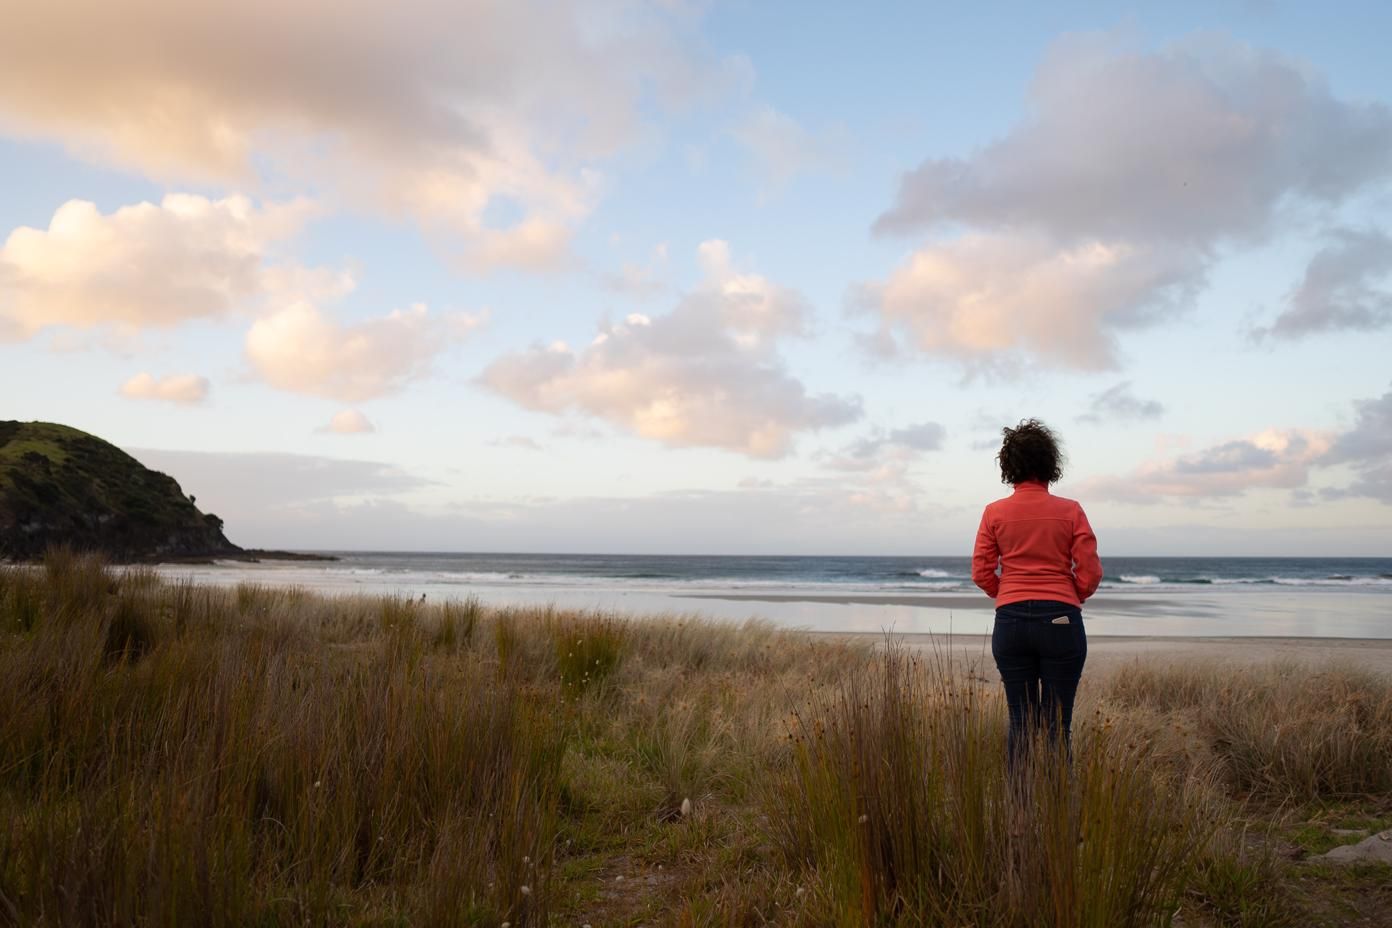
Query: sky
{"points": [[710, 277]]}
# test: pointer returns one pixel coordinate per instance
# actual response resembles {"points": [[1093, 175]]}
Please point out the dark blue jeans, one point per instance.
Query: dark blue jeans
{"points": [[1039, 646]]}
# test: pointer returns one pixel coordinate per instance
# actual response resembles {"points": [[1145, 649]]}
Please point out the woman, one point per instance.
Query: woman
{"points": [[1048, 567]]}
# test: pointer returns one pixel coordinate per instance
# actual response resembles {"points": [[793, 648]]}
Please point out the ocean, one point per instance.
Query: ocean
{"points": [[1163, 596]]}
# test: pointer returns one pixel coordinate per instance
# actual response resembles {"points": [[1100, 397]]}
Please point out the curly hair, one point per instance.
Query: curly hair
{"points": [[1030, 451]]}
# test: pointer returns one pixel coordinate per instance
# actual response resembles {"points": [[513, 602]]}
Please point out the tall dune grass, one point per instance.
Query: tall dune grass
{"points": [[898, 800], [174, 754], [1285, 732], [158, 766]]}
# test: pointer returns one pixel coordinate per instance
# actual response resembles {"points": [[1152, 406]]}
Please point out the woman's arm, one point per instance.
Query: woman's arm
{"points": [[1087, 568], [985, 557]]}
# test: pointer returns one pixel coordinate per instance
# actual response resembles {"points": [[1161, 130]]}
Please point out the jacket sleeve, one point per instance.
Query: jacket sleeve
{"points": [[1087, 568], [985, 558]]}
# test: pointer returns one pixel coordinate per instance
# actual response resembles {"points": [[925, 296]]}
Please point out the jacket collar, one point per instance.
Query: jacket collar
{"points": [[1034, 486]]}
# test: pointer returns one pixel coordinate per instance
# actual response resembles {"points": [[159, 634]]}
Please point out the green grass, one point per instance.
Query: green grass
{"points": [[1321, 827], [45, 439], [173, 754], [47, 447]]}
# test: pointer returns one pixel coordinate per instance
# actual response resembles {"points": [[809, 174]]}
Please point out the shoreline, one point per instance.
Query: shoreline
{"points": [[1108, 653], [1237, 611], [933, 601]]}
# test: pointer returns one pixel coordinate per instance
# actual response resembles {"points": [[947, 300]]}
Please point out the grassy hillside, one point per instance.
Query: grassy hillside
{"points": [[61, 486]]}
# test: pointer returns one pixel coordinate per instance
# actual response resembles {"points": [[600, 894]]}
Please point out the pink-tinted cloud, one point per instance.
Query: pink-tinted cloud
{"points": [[153, 265], [303, 349], [1103, 210], [704, 374], [981, 298], [434, 110], [184, 389], [349, 422], [1274, 459]]}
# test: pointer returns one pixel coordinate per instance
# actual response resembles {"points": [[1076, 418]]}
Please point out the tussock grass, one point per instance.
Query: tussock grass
{"points": [[1284, 732], [454, 625], [898, 799], [21, 600], [588, 648], [247, 774], [1242, 886], [174, 754]]}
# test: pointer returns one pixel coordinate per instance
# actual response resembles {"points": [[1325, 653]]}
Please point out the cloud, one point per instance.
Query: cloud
{"points": [[1105, 207], [1277, 458], [635, 281], [1366, 447], [643, 282], [782, 148], [230, 483], [986, 298], [1369, 439], [925, 436], [349, 422], [521, 442], [876, 471], [439, 111], [1340, 289], [1118, 404], [187, 389], [1372, 482], [152, 265], [303, 350], [813, 518], [679, 380], [704, 374], [750, 306], [902, 444], [190, 258], [312, 502], [1187, 144]]}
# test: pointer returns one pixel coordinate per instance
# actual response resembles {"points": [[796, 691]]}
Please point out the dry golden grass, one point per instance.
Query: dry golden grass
{"points": [[181, 755], [900, 802], [1281, 731]]}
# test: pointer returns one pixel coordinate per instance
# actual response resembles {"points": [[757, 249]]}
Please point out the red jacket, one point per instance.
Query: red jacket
{"points": [[1043, 544]]}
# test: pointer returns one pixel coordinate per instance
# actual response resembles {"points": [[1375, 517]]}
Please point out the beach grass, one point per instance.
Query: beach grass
{"points": [[174, 754]]}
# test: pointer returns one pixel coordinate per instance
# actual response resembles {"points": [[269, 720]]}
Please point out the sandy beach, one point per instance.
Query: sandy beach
{"points": [[1109, 653], [1117, 604]]}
